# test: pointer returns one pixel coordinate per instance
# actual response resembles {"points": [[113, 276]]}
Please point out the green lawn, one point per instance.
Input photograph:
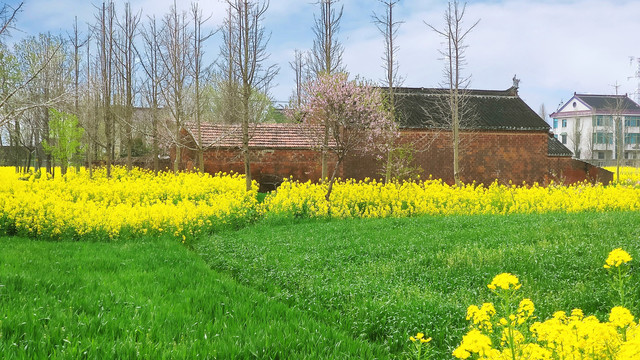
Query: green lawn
{"points": [[149, 300], [386, 279]]}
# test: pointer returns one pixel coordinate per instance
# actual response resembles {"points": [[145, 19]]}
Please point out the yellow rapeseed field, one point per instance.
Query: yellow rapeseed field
{"points": [[628, 174], [371, 199], [128, 204], [187, 204]]}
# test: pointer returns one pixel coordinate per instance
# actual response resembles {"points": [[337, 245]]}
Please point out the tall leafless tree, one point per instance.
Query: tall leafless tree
{"points": [[150, 61], [250, 57], [197, 73], [299, 65], [176, 56], [227, 82], [388, 27], [106, 58], [126, 65], [326, 55], [455, 34], [327, 51], [49, 88], [19, 82], [77, 44]]}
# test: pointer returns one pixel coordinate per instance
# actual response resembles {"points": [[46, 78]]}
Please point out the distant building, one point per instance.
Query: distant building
{"points": [[599, 128]]}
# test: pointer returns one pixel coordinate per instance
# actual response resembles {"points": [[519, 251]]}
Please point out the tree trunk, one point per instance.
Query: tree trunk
{"points": [[245, 137], [333, 179]]}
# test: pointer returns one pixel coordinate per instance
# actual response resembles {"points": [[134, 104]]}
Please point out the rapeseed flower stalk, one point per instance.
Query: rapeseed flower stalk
{"points": [[617, 264], [421, 346]]}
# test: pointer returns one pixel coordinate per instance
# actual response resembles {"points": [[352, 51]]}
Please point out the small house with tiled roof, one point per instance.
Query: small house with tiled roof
{"points": [[501, 139], [599, 128]]}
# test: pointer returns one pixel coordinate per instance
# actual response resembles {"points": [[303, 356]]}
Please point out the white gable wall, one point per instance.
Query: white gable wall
{"points": [[574, 105]]}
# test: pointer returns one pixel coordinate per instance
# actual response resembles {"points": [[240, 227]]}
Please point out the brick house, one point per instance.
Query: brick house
{"points": [[501, 139]]}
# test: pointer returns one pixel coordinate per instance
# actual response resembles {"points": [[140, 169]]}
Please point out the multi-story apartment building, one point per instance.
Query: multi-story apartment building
{"points": [[599, 128]]}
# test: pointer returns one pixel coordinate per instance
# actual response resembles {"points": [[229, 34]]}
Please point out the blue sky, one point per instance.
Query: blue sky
{"points": [[556, 48]]}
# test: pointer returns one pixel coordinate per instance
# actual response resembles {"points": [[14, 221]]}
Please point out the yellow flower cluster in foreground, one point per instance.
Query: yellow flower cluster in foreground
{"points": [[371, 199], [509, 334], [128, 204]]}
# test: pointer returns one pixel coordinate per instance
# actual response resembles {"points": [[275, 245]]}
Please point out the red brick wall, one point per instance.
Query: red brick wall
{"points": [[268, 166], [484, 156], [569, 171]]}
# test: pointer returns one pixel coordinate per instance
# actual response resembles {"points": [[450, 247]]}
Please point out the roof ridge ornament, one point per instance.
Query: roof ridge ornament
{"points": [[516, 82], [513, 90]]}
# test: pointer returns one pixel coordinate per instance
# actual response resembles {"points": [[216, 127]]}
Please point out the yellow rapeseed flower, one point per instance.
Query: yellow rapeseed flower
{"points": [[505, 281], [616, 258], [620, 317]]}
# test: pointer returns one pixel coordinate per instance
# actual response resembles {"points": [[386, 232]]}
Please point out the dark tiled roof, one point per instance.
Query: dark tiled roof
{"points": [[609, 102], [273, 136], [489, 110], [556, 148]]}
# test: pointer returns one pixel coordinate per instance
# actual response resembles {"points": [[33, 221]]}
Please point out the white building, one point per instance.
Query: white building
{"points": [[599, 128]]}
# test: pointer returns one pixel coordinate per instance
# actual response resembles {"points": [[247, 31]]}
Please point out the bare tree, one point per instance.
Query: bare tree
{"points": [[20, 81], [48, 88], [106, 58], [299, 66], [327, 51], [176, 56], [227, 83], [197, 73], [76, 43], [543, 112], [126, 67], [326, 55], [577, 137], [617, 108], [250, 54], [150, 61], [455, 35], [388, 27]]}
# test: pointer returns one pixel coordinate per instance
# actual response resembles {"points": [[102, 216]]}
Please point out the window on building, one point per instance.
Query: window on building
{"points": [[555, 136], [632, 138], [600, 155], [632, 121], [564, 123], [564, 138], [603, 120], [602, 138], [555, 123]]}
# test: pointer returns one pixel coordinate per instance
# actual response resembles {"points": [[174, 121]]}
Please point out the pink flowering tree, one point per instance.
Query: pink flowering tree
{"points": [[344, 116]]}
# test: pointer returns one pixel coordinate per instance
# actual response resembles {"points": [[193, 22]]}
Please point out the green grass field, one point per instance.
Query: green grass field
{"points": [[147, 300], [309, 289], [384, 280]]}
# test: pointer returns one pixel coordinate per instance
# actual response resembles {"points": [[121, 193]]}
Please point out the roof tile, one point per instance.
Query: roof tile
{"points": [[274, 136]]}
